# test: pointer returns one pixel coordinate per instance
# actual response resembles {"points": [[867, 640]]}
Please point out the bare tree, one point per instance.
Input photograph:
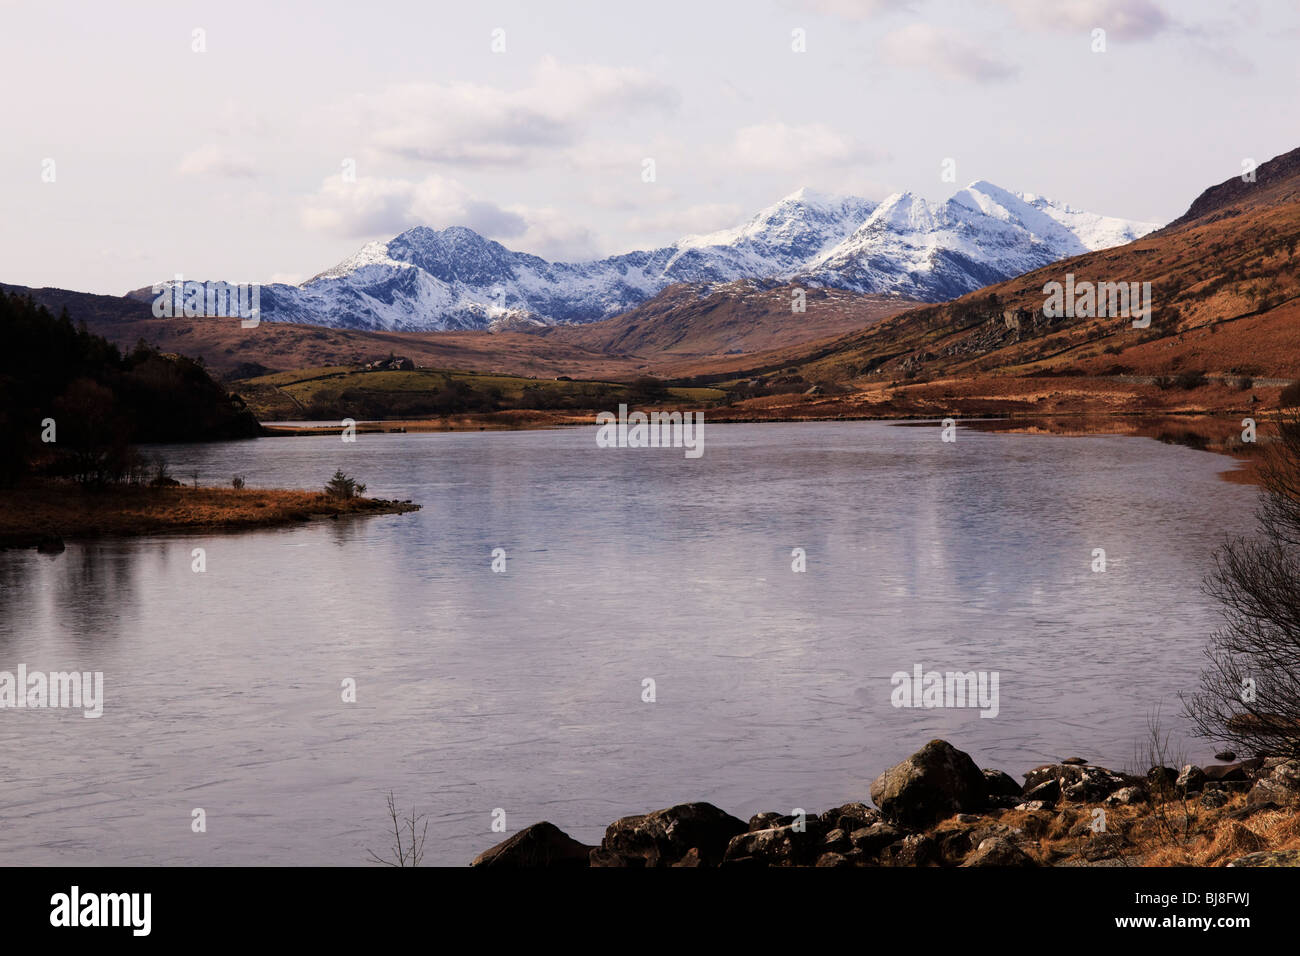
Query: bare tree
{"points": [[1249, 694], [408, 838]]}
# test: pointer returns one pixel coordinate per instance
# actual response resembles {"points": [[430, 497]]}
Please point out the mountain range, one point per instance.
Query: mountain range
{"points": [[456, 279]]}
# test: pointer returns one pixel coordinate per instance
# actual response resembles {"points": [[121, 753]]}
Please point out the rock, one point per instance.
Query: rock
{"points": [[935, 782], [1226, 772], [1079, 783], [540, 845], [776, 846], [1127, 796], [692, 858], [833, 860], [1162, 778], [955, 847], [664, 837], [1074, 761], [1269, 793], [835, 841], [1102, 846], [916, 849], [764, 821], [1235, 839], [1225, 755], [1213, 799], [968, 818], [871, 840], [1034, 805], [1269, 858], [1287, 774], [1049, 791], [850, 817], [997, 851], [1000, 784], [1190, 778]]}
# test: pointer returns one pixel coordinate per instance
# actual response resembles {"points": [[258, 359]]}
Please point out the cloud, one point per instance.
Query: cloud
{"points": [[856, 9], [212, 160], [1121, 19], [781, 147], [702, 218], [476, 125], [374, 206], [925, 47]]}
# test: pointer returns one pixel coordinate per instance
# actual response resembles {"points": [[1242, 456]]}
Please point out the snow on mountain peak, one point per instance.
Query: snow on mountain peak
{"points": [[455, 278]]}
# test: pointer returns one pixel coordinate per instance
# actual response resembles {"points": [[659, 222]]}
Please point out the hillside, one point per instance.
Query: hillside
{"points": [[1225, 281], [72, 402]]}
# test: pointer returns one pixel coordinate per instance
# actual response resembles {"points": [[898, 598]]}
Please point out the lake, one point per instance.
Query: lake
{"points": [[523, 690]]}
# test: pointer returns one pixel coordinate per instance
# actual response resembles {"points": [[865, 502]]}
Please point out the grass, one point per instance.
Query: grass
{"points": [[61, 509]]}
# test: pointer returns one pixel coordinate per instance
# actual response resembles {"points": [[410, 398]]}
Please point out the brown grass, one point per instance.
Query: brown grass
{"points": [[46, 509]]}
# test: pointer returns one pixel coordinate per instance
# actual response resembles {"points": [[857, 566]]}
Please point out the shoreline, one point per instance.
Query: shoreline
{"points": [[938, 809], [43, 514]]}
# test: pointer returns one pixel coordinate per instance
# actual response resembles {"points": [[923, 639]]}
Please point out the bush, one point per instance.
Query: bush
{"points": [[1249, 694], [344, 486]]}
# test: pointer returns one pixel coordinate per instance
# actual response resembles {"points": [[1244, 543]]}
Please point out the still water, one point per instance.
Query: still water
{"points": [[523, 690]]}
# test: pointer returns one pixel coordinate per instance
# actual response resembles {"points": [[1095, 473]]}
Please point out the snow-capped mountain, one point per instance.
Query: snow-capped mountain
{"points": [[981, 235], [427, 279]]}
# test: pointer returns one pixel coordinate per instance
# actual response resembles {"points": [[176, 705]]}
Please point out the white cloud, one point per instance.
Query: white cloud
{"points": [[472, 124], [701, 218], [213, 160], [1121, 19], [374, 206], [798, 149], [934, 49]]}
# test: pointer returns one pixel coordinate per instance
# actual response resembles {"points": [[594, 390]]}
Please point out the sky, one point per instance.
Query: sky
{"points": [[263, 141]]}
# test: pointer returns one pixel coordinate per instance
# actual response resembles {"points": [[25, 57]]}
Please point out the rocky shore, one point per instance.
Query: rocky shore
{"points": [[938, 808]]}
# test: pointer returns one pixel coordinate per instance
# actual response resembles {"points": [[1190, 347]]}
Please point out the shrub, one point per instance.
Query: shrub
{"points": [[344, 486]]}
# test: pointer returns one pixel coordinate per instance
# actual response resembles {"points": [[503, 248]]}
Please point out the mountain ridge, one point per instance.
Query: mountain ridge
{"points": [[456, 279]]}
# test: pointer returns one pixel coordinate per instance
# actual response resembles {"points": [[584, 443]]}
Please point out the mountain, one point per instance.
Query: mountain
{"points": [[425, 279], [981, 235], [1225, 297]]}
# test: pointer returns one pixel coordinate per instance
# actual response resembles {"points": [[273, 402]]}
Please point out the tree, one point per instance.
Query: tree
{"points": [[1249, 694], [344, 486]]}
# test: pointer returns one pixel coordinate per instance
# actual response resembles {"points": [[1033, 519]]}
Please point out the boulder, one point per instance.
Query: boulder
{"points": [[1269, 858], [540, 845], [850, 817], [1102, 846], [1269, 793], [1162, 778], [1001, 784], [871, 840], [998, 851], [1287, 774], [1225, 755], [1214, 799], [915, 849], [1074, 761], [1190, 779], [664, 837], [935, 782], [1127, 796], [1224, 773], [833, 860], [1079, 783], [775, 846]]}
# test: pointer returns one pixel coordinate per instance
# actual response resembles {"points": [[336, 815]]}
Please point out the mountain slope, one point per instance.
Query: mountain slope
{"points": [[425, 279], [1225, 294]]}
